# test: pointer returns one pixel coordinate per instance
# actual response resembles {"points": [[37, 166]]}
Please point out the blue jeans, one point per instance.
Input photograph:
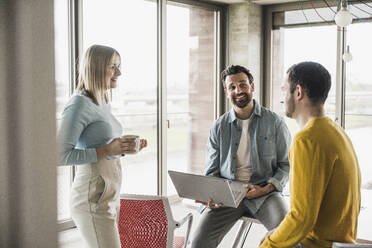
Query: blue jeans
{"points": [[215, 223]]}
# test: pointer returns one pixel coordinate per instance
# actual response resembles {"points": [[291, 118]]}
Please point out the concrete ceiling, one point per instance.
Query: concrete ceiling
{"points": [[261, 2]]}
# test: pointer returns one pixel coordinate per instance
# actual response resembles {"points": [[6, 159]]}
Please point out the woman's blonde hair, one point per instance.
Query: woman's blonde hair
{"points": [[93, 71]]}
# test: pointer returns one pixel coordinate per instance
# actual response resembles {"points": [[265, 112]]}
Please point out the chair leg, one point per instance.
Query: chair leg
{"points": [[246, 231], [242, 228]]}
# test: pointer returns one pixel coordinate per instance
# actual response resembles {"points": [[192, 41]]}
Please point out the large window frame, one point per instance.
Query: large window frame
{"points": [[75, 51]]}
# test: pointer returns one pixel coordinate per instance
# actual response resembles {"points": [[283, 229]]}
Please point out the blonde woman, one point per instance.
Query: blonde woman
{"points": [[89, 137]]}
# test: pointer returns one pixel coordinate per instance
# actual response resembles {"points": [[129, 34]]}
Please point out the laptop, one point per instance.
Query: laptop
{"points": [[202, 188]]}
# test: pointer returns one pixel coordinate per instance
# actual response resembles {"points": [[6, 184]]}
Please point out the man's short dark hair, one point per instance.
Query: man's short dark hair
{"points": [[235, 69], [313, 78]]}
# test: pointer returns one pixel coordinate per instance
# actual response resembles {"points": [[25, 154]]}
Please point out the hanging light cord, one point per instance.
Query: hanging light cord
{"points": [[312, 5], [355, 16], [302, 9], [329, 6], [325, 1], [335, 11]]}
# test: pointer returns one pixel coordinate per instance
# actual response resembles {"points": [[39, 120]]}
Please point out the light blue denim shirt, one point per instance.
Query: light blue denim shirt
{"points": [[270, 140]]}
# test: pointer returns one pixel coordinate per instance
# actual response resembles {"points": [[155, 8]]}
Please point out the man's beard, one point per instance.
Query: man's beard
{"points": [[290, 107], [243, 101]]}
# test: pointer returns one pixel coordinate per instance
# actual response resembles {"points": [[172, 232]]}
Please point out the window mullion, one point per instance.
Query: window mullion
{"points": [[340, 77], [162, 101]]}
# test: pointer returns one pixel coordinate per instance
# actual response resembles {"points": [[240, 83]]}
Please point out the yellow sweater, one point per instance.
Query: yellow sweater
{"points": [[325, 189]]}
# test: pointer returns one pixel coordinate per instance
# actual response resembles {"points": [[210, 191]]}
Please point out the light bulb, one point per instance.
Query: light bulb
{"points": [[343, 17], [347, 57]]}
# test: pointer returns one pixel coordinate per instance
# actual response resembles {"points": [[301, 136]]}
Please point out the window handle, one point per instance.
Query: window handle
{"points": [[168, 124]]}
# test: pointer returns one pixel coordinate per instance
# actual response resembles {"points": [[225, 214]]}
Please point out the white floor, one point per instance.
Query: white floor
{"points": [[71, 239]]}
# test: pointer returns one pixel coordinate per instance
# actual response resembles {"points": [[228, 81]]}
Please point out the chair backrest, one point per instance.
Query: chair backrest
{"points": [[144, 221]]}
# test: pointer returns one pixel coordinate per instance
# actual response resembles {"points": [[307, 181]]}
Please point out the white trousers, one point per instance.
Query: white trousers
{"points": [[95, 203]]}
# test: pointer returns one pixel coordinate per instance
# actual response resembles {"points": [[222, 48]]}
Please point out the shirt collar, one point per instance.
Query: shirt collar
{"points": [[256, 111]]}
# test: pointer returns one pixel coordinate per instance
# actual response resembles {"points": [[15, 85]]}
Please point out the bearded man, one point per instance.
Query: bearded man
{"points": [[250, 144]]}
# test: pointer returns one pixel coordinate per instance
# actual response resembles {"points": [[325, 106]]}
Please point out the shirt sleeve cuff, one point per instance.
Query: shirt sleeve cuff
{"points": [[278, 186]]}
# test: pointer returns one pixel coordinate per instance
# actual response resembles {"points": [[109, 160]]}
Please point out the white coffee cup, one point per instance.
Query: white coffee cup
{"points": [[137, 140]]}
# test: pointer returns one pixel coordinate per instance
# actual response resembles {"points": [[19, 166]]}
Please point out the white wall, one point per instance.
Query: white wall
{"points": [[27, 125]]}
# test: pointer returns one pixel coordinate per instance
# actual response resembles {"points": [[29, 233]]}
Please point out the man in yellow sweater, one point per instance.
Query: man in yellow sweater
{"points": [[324, 171]]}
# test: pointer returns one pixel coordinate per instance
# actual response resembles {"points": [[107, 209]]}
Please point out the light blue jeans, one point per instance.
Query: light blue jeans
{"points": [[215, 223]]}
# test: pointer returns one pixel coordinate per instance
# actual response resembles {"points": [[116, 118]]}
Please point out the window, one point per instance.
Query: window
{"points": [[62, 73], [131, 28], [358, 108], [191, 39], [296, 45], [191, 52]]}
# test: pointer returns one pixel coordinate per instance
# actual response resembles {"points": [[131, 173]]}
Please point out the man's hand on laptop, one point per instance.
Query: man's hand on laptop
{"points": [[255, 191], [210, 204]]}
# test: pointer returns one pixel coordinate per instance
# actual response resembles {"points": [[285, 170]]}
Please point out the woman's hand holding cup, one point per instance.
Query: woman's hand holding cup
{"points": [[133, 144], [128, 144]]}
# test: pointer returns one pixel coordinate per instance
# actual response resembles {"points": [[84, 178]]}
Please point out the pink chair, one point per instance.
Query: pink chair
{"points": [[147, 221]]}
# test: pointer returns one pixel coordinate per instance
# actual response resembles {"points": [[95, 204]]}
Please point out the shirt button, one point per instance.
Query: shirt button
{"points": [[236, 144], [234, 157]]}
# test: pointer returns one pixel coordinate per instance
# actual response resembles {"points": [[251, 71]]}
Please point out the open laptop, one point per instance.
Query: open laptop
{"points": [[197, 187]]}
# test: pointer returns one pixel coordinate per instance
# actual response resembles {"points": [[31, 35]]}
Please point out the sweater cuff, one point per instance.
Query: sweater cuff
{"points": [[92, 153]]}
